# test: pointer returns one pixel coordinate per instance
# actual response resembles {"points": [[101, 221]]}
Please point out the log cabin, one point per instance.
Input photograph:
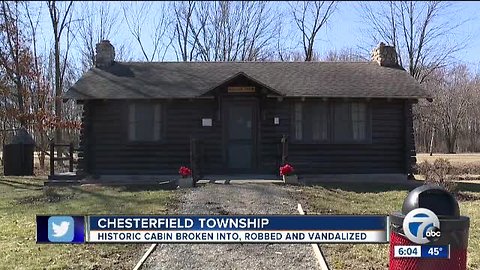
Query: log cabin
{"points": [[329, 120]]}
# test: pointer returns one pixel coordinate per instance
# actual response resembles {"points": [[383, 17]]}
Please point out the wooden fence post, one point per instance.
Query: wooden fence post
{"points": [[70, 150], [193, 161], [284, 149], [52, 158]]}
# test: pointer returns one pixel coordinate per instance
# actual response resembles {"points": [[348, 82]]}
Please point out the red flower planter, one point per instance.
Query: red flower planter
{"points": [[185, 171], [287, 172], [287, 169]]}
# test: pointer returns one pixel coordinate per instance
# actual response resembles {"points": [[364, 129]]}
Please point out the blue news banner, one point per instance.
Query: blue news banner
{"points": [[237, 229], [212, 229]]}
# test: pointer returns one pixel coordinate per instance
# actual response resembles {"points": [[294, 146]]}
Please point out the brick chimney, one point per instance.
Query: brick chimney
{"points": [[105, 54], [385, 56]]}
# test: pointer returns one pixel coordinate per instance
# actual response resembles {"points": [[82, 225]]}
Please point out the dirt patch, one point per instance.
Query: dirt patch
{"points": [[49, 195]]}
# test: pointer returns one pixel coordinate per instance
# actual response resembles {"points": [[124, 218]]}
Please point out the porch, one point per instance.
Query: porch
{"points": [[76, 176]]}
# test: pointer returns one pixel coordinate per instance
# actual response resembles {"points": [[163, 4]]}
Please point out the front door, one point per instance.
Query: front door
{"points": [[240, 139]]}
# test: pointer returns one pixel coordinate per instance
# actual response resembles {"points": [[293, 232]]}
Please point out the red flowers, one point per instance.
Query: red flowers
{"points": [[185, 171], [287, 169]]}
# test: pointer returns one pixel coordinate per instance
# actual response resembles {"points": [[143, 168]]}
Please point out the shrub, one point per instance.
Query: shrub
{"points": [[440, 173]]}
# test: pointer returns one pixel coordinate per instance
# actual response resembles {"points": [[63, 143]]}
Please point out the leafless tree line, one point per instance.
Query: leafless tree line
{"points": [[33, 79], [451, 122], [424, 34], [227, 30]]}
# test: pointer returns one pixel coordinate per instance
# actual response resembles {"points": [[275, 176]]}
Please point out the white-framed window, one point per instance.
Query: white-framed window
{"points": [[145, 122]]}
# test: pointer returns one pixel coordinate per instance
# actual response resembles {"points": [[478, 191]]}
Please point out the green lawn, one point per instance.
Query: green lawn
{"points": [[378, 199], [23, 198]]}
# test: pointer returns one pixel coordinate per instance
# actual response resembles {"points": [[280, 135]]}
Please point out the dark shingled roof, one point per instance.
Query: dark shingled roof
{"points": [[137, 80]]}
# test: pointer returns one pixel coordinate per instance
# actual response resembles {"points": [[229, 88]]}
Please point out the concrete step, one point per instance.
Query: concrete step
{"points": [[62, 183], [64, 177]]}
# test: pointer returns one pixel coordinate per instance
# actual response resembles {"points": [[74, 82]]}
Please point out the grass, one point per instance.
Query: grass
{"points": [[455, 159], [378, 199], [21, 199]]}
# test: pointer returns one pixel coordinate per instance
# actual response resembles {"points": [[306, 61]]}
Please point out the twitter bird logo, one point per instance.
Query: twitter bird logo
{"points": [[60, 229]]}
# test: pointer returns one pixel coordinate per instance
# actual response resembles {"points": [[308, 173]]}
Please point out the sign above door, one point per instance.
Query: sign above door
{"points": [[241, 89]]}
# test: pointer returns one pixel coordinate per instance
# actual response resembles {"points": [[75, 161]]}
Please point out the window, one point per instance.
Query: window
{"points": [[337, 122], [144, 122], [342, 124], [298, 121], [350, 122], [311, 121], [359, 121]]}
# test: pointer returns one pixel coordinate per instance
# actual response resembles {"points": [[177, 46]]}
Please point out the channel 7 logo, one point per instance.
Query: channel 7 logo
{"points": [[421, 226]]}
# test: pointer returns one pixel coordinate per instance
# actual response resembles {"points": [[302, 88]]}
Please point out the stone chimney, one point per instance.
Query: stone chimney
{"points": [[105, 54], [385, 56]]}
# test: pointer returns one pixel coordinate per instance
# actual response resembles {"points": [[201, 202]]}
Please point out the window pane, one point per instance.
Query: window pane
{"points": [[144, 122], [298, 121], [240, 122], [359, 121], [157, 125], [319, 116], [131, 122], [342, 122]]}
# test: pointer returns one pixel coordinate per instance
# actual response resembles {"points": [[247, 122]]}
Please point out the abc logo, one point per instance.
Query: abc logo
{"points": [[433, 234], [421, 226]]}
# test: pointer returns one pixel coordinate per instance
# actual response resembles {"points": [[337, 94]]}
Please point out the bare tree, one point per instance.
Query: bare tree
{"points": [[123, 52], [137, 15], [61, 19], [452, 89], [185, 45], [470, 140], [98, 22], [232, 31], [297, 56], [310, 17], [13, 54], [345, 55], [42, 104], [19, 58], [420, 31], [424, 36]]}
